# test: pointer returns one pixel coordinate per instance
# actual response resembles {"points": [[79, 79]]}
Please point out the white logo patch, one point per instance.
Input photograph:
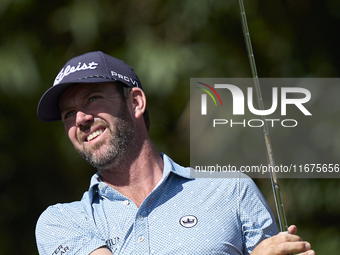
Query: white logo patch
{"points": [[188, 221], [72, 69]]}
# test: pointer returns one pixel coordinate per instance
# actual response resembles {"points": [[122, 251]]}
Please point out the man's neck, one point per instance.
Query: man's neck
{"points": [[136, 177]]}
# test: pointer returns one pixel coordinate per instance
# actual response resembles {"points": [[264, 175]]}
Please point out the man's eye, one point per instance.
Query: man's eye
{"points": [[69, 114], [93, 98]]}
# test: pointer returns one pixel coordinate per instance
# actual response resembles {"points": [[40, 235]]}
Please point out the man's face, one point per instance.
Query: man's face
{"points": [[98, 122]]}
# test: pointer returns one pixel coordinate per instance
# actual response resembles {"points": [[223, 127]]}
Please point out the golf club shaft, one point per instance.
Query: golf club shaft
{"points": [[268, 146]]}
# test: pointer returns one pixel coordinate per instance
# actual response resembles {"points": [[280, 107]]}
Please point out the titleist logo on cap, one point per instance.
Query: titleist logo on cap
{"points": [[72, 69]]}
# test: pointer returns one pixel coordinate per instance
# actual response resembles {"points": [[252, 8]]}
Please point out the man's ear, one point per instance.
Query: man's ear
{"points": [[138, 102]]}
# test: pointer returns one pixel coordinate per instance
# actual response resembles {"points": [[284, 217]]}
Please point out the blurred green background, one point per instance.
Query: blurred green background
{"points": [[167, 43]]}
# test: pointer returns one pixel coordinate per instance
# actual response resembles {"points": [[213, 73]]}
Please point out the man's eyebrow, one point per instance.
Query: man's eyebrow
{"points": [[90, 92], [83, 96]]}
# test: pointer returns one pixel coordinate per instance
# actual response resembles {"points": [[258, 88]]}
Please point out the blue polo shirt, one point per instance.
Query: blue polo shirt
{"points": [[181, 215]]}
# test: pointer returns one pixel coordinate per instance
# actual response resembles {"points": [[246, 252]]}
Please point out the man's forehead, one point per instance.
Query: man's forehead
{"points": [[83, 90]]}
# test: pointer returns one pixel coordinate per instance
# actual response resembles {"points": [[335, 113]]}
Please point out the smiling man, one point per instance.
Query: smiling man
{"points": [[140, 201]]}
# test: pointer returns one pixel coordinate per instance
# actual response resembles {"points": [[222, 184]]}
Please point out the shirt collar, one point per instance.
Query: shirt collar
{"points": [[169, 167]]}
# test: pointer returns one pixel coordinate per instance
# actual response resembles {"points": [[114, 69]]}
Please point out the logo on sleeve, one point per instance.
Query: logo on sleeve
{"points": [[61, 250], [188, 221]]}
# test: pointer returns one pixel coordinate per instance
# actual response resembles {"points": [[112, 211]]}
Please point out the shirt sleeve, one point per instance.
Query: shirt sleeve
{"points": [[258, 222], [66, 229]]}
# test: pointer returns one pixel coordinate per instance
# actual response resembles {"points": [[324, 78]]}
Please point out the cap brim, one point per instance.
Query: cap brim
{"points": [[48, 107]]}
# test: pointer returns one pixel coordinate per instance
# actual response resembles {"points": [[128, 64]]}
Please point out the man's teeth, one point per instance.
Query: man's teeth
{"points": [[94, 134]]}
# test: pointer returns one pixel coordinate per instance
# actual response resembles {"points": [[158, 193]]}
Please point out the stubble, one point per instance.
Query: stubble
{"points": [[116, 149]]}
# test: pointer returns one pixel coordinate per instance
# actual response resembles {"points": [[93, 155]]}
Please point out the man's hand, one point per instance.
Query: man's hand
{"points": [[283, 244], [101, 251]]}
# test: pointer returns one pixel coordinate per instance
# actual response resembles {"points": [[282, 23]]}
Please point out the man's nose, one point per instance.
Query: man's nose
{"points": [[83, 118]]}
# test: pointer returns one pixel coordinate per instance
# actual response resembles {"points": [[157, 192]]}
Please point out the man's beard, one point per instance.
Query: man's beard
{"points": [[117, 147]]}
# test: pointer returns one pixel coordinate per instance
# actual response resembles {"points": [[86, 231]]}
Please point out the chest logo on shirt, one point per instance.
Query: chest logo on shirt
{"points": [[188, 221]]}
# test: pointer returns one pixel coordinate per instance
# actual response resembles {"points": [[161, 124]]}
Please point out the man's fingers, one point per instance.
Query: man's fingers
{"points": [[292, 229], [289, 243], [301, 246], [291, 247], [284, 237], [283, 244], [311, 252]]}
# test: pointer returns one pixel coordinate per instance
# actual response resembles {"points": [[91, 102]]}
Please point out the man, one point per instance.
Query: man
{"points": [[140, 201]]}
